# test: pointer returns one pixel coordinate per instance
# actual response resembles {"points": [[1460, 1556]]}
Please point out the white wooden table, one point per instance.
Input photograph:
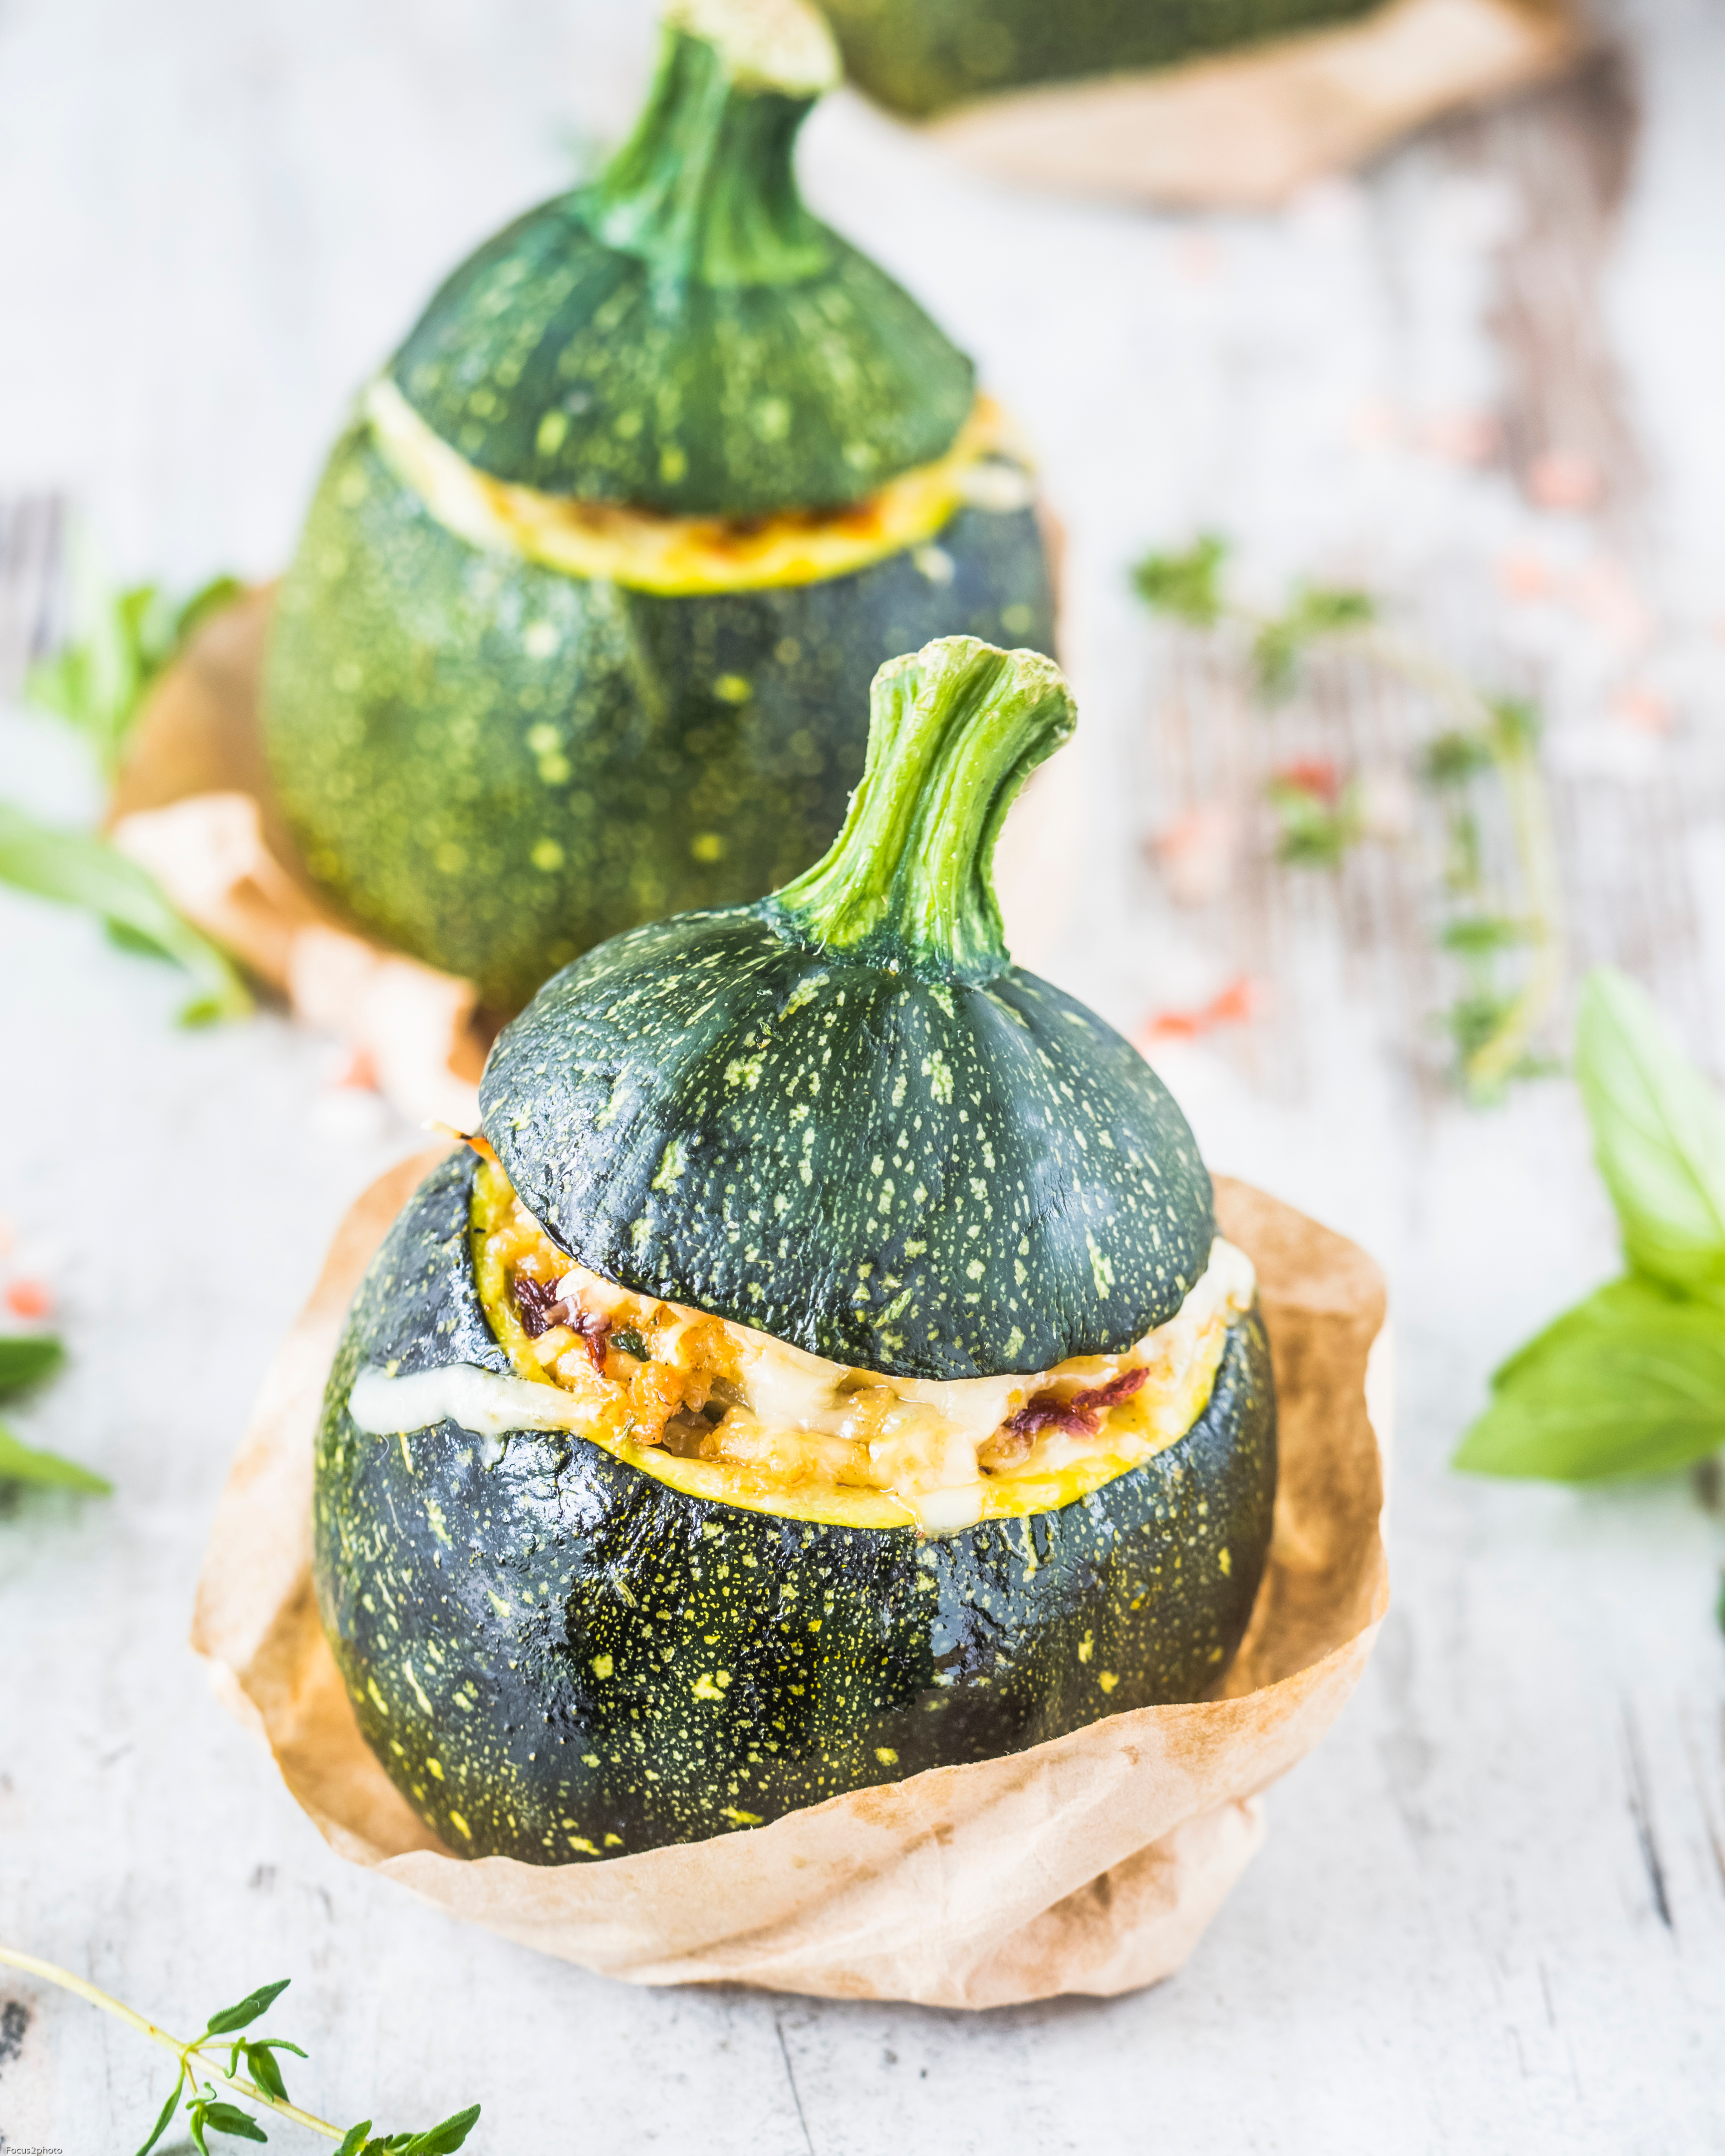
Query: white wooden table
{"points": [[1491, 1914]]}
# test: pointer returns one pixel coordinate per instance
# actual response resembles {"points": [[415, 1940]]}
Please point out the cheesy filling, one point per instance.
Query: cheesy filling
{"points": [[723, 1412], [682, 555]]}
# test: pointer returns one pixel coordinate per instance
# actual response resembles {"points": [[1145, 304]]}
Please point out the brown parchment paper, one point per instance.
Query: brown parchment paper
{"points": [[1247, 130], [1091, 1864]]}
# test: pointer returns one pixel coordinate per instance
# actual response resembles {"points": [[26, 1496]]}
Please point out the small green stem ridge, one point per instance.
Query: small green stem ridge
{"points": [[954, 731], [705, 191]]}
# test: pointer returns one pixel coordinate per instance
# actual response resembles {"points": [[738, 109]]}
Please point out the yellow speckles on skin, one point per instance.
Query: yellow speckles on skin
{"points": [[614, 1841], [400, 1750], [546, 855], [407, 1456], [1102, 1268], [460, 1825], [1107, 1679], [1224, 1564], [708, 846], [937, 1071], [587, 1848], [886, 1755], [711, 1684], [1086, 1647], [435, 1513], [552, 433], [974, 1269], [601, 1666], [745, 1070], [1213, 1655], [814, 1623], [375, 1696], [733, 688], [672, 1162], [435, 1767], [739, 1818], [408, 1671], [590, 1759]]}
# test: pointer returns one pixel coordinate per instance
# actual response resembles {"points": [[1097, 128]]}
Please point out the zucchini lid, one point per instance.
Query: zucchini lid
{"points": [[682, 334], [841, 1114]]}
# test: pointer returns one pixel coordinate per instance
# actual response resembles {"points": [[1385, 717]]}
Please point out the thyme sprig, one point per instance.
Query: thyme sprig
{"points": [[1493, 1025], [210, 2112]]}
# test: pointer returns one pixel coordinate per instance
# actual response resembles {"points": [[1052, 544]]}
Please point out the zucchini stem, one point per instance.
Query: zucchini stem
{"points": [[954, 731], [704, 191]]}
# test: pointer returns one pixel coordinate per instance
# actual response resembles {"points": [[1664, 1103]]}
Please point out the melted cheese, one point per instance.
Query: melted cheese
{"points": [[674, 555], [726, 1413]]}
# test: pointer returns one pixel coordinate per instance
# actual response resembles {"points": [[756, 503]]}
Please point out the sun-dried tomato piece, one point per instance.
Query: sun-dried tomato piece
{"points": [[539, 1305], [1082, 1414]]}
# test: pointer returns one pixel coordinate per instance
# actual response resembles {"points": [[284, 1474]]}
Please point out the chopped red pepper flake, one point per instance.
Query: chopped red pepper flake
{"points": [[28, 1298]]}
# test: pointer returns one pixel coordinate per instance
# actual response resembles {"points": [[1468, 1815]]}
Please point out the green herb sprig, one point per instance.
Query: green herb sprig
{"points": [[99, 682], [1631, 1381], [26, 1359], [98, 685], [1494, 1022], [75, 868], [262, 2083]]}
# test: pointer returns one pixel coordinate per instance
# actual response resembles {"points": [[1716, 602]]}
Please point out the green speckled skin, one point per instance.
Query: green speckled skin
{"points": [[592, 1658], [920, 56], [553, 360], [493, 765], [923, 1177]]}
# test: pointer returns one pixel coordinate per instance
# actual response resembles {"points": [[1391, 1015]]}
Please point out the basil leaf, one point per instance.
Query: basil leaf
{"points": [[355, 2138], [249, 2008], [22, 1463], [76, 869], [167, 2111], [1630, 1382], [1659, 1132], [228, 2118], [26, 1359]]}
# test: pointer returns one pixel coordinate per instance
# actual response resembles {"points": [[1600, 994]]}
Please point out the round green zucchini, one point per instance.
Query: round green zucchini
{"points": [[840, 1116], [557, 1657], [922, 56], [497, 766], [492, 753]]}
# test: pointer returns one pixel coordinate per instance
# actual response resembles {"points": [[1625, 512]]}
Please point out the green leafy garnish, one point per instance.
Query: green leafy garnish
{"points": [[1317, 825], [98, 683], [1659, 1132], [25, 1360], [1631, 1381], [1188, 586], [76, 869], [1319, 612], [24, 1463], [208, 2111]]}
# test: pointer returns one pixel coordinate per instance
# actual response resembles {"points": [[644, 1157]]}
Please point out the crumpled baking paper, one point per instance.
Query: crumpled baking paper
{"points": [[1246, 130], [1089, 1864]]}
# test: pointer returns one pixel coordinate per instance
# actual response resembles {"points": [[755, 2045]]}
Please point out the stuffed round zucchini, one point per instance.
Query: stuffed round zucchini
{"points": [[923, 56], [581, 623], [824, 1368]]}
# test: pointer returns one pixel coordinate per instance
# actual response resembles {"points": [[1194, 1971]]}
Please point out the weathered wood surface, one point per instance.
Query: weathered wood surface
{"points": [[1491, 1913]]}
